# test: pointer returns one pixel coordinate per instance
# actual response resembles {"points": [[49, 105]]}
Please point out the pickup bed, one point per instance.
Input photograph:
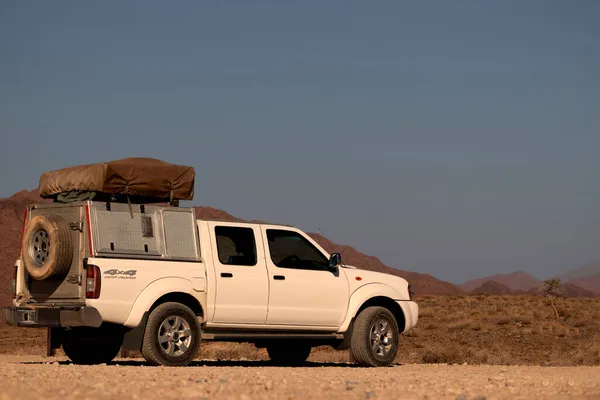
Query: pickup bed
{"points": [[155, 279]]}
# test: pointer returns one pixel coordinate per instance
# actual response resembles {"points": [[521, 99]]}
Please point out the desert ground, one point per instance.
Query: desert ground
{"points": [[463, 347], [35, 377]]}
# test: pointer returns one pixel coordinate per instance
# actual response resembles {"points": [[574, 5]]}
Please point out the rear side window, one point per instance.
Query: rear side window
{"points": [[291, 250], [236, 246]]}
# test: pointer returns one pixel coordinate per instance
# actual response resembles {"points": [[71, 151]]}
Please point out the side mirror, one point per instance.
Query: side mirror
{"points": [[335, 260]]}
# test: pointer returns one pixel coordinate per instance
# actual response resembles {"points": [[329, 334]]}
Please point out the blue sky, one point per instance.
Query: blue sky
{"points": [[454, 138]]}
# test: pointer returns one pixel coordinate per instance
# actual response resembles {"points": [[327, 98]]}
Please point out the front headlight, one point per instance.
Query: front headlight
{"points": [[411, 294]]}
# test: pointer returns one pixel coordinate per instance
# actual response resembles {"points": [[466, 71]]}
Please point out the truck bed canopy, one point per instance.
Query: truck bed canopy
{"points": [[144, 179]]}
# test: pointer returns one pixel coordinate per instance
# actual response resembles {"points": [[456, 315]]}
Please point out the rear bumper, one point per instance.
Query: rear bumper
{"points": [[411, 314], [39, 317]]}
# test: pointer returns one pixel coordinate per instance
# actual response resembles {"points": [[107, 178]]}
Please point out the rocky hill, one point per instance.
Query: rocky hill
{"points": [[586, 277], [11, 222], [492, 287], [516, 281]]}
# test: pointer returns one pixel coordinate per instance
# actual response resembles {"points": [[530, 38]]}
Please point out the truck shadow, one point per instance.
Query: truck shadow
{"points": [[208, 363]]}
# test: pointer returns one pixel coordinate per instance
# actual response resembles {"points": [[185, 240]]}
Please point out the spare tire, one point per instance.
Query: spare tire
{"points": [[47, 247]]}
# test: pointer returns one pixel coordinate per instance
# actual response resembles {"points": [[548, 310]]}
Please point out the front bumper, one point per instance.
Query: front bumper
{"points": [[39, 317], [410, 309]]}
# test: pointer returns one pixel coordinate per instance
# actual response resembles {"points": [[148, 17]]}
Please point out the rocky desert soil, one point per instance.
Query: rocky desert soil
{"points": [[33, 377]]}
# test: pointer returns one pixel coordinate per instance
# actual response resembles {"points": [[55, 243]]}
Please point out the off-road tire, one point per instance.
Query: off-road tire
{"points": [[361, 344], [154, 352], [88, 346], [288, 354], [47, 247]]}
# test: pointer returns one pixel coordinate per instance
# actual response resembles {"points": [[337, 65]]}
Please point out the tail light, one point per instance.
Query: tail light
{"points": [[92, 282], [411, 294], [23, 231]]}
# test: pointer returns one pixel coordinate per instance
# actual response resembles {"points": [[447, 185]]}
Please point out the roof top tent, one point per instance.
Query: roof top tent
{"points": [[130, 180]]}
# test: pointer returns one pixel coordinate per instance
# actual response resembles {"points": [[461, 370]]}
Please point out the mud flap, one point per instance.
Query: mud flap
{"points": [[55, 337], [132, 341], [344, 344]]}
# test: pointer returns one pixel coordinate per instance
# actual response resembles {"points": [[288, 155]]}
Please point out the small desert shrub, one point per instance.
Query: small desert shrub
{"points": [[585, 323], [452, 355], [411, 333], [457, 325], [426, 313], [503, 321], [476, 327], [441, 355], [526, 320]]}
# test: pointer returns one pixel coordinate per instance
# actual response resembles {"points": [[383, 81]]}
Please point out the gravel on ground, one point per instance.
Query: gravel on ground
{"points": [[34, 377]]}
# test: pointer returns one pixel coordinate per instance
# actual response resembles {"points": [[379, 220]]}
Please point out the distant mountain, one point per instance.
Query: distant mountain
{"points": [[591, 269], [421, 283], [591, 283], [492, 287], [11, 222], [586, 277], [516, 281], [568, 290]]}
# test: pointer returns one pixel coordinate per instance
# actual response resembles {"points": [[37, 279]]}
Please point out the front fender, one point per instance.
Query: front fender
{"points": [[364, 293], [153, 292]]}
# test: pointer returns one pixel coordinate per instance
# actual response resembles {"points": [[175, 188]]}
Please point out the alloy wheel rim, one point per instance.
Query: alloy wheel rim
{"points": [[174, 336], [381, 337]]}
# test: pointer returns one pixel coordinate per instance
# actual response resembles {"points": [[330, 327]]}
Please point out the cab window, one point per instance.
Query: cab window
{"points": [[291, 250], [236, 245]]}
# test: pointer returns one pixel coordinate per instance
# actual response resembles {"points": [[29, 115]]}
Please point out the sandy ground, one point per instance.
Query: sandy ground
{"points": [[33, 377]]}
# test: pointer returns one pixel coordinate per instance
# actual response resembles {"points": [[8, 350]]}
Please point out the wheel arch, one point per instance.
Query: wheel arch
{"points": [[375, 294], [386, 302], [165, 289], [180, 297]]}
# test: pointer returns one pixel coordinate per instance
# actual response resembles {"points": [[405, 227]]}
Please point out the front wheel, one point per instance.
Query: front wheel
{"points": [[90, 346], [291, 354], [172, 335], [375, 337]]}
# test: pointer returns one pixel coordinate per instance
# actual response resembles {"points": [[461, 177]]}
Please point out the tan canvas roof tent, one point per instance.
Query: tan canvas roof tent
{"points": [[144, 179]]}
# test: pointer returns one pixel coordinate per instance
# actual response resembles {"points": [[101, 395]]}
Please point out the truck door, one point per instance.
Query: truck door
{"points": [[242, 285], [303, 291]]}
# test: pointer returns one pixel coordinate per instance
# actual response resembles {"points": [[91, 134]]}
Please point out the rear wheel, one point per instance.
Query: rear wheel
{"points": [[289, 353], [92, 345], [375, 337], [172, 335]]}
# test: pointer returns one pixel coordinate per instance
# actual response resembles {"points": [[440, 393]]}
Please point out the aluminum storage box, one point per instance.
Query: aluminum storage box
{"points": [[143, 231]]}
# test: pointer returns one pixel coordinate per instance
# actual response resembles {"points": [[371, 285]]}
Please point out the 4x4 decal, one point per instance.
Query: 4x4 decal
{"points": [[120, 274]]}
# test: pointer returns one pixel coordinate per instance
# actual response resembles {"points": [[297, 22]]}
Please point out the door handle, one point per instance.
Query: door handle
{"points": [[279, 277], [226, 275]]}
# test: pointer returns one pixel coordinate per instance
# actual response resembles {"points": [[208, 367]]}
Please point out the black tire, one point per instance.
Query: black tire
{"points": [[373, 344], [90, 346], [47, 247], [179, 343], [290, 354]]}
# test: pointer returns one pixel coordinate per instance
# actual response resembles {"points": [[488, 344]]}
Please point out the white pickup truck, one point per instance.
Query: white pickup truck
{"points": [[155, 279]]}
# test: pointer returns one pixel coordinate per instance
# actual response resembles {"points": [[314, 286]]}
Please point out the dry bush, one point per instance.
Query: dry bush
{"points": [[458, 325], [584, 323], [502, 320], [426, 313]]}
